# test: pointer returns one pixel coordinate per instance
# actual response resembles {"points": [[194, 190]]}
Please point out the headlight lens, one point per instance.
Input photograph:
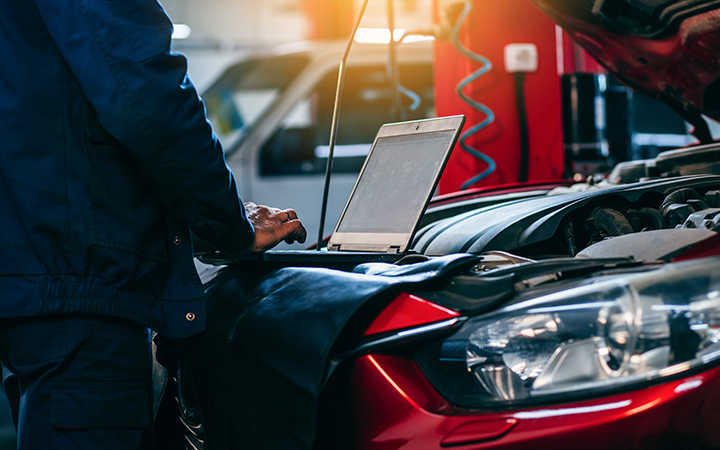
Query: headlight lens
{"points": [[599, 337]]}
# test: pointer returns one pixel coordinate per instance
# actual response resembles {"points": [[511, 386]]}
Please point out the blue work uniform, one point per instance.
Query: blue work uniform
{"points": [[107, 161]]}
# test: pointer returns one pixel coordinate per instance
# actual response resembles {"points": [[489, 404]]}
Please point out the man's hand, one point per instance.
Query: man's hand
{"points": [[273, 225]]}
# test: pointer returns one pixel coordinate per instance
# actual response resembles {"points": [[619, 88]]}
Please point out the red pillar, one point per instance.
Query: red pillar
{"points": [[487, 30]]}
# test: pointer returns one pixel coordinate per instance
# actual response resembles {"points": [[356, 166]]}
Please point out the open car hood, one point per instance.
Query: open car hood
{"points": [[667, 49]]}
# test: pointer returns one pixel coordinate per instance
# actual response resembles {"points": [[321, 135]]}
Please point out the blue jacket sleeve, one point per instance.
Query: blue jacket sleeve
{"points": [[119, 51]]}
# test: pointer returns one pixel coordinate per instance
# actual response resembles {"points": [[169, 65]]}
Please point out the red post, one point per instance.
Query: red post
{"points": [[488, 29]]}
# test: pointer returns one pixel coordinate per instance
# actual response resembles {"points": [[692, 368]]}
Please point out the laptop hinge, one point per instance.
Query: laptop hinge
{"points": [[365, 248]]}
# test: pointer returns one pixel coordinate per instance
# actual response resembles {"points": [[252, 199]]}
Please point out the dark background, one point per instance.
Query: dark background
{"points": [[7, 431]]}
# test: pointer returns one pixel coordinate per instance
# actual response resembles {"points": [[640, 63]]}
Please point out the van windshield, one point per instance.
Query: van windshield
{"points": [[245, 92]]}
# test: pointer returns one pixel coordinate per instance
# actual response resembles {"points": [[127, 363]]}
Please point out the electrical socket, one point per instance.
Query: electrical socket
{"points": [[521, 58]]}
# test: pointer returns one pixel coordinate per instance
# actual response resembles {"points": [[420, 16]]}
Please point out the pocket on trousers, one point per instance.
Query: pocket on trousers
{"points": [[99, 404]]}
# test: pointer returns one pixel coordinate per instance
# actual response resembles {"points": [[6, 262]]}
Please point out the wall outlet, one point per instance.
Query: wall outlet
{"points": [[521, 58]]}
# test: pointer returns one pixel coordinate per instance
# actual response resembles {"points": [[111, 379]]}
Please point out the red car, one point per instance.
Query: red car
{"points": [[505, 342], [546, 316]]}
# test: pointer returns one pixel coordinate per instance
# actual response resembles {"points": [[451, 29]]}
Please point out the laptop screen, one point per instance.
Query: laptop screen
{"points": [[395, 183]]}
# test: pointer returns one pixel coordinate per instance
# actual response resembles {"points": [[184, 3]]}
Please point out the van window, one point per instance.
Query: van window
{"points": [[300, 145], [246, 91]]}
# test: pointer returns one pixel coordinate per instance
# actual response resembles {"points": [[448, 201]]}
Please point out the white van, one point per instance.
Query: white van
{"points": [[273, 111]]}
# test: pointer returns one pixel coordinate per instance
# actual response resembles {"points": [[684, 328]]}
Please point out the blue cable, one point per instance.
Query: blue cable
{"points": [[413, 96], [486, 67], [416, 101]]}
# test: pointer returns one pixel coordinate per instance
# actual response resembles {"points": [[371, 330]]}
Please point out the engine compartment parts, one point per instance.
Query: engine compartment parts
{"points": [[686, 208], [562, 225], [654, 245], [702, 159], [610, 221]]}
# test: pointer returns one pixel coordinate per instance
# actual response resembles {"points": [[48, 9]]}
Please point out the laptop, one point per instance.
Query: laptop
{"points": [[384, 210]]}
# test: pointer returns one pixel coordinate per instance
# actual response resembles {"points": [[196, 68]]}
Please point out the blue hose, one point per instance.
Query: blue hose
{"points": [[416, 100], [486, 67]]}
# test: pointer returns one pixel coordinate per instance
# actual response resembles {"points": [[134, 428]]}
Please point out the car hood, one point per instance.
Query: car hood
{"points": [[666, 49]]}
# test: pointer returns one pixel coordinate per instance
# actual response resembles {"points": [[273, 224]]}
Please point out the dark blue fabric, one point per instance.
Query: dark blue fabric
{"points": [[80, 382], [106, 161]]}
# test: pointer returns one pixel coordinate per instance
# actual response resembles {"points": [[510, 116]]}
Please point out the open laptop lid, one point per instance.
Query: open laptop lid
{"points": [[395, 185]]}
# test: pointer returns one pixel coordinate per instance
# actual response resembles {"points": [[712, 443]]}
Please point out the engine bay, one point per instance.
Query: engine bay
{"points": [[650, 210]]}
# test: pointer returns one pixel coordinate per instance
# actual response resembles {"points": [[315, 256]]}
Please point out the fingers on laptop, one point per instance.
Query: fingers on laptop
{"points": [[291, 214], [283, 224], [296, 229]]}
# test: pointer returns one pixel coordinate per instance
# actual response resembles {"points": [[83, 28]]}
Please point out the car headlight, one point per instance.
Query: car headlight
{"points": [[610, 335]]}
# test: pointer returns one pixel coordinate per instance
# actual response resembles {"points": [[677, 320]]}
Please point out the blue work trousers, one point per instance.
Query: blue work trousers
{"points": [[78, 382]]}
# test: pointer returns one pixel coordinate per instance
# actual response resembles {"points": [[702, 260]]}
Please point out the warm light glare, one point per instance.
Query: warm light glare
{"points": [[644, 407], [382, 36], [181, 31]]}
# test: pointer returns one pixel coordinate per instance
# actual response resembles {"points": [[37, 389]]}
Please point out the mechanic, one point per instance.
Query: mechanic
{"points": [[107, 162]]}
